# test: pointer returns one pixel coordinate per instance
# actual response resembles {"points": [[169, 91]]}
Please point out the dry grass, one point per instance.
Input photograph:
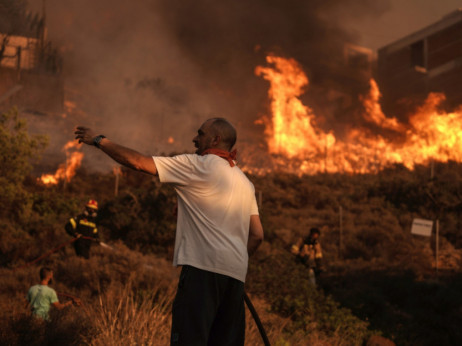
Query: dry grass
{"points": [[121, 317], [124, 317], [126, 298]]}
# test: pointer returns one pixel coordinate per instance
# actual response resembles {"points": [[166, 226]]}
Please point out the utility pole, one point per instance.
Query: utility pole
{"points": [[116, 188], [437, 246], [325, 156], [340, 245], [18, 63], [43, 29], [432, 169], [65, 173]]}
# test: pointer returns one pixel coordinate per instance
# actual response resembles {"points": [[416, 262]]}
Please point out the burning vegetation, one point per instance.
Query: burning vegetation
{"points": [[65, 171], [296, 141]]}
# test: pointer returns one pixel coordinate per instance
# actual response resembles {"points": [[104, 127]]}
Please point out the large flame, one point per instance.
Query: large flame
{"points": [[293, 131], [293, 135], [66, 170]]}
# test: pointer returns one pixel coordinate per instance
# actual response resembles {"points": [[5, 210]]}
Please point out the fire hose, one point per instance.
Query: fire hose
{"points": [[74, 299], [256, 319], [52, 251]]}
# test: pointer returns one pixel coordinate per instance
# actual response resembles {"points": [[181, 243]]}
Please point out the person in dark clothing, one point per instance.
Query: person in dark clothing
{"points": [[84, 227], [308, 251]]}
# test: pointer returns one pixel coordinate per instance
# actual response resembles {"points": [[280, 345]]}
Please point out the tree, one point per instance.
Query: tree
{"points": [[17, 150]]}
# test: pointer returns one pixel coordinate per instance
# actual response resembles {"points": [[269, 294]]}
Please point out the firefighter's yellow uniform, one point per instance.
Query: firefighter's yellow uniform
{"points": [[84, 225], [309, 252]]}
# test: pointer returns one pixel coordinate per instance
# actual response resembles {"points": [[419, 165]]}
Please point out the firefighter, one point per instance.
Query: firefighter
{"points": [[308, 252], [84, 227]]}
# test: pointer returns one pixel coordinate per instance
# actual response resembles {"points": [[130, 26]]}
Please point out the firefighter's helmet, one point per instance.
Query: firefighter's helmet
{"points": [[92, 204]]}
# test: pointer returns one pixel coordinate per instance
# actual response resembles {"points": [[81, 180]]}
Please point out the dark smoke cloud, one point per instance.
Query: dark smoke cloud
{"points": [[226, 42], [224, 36], [146, 70]]}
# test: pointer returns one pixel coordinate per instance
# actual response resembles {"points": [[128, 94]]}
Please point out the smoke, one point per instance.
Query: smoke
{"points": [[224, 36], [12, 16], [227, 41], [143, 71]]}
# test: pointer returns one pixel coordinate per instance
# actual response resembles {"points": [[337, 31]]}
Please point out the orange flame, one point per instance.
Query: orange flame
{"points": [[299, 135], [373, 110], [66, 170], [170, 140], [292, 133]]}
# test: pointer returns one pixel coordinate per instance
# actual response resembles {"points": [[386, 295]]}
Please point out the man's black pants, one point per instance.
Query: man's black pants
{"points": [[208, 309]]}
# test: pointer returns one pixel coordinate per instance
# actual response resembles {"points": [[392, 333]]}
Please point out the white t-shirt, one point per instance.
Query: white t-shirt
{"points": [[215, 202]]}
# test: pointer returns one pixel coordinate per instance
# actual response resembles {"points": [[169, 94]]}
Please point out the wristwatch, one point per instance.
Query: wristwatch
{"points": [[97, 140]]}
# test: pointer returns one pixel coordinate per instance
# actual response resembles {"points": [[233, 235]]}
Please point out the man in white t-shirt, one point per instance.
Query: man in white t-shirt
{"points": [[218, 228]]}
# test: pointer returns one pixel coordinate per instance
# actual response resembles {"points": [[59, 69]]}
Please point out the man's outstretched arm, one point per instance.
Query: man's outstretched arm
{"points": [[255, 234], [125, 156]]}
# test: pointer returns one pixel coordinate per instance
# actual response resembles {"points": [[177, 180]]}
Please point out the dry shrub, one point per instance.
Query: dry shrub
{"points": [[18, 327], [273, 324], [125, 317], [13, 241], [109, 267], [127, 298], [275, 327], [104, 275]]}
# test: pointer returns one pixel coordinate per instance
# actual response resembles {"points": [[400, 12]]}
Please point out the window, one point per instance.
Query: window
{"points": [[418, 54]]}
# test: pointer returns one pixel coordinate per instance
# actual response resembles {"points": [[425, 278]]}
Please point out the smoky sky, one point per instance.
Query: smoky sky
{"points": [[224, 37], [143, 71]]}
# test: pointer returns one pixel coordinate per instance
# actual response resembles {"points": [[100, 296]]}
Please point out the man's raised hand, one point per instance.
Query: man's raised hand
{"points": [[84, 135]]}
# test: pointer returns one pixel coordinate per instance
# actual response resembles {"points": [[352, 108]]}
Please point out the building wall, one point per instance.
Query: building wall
{"points": [[429, 60], [27, 47], [30, 75], [444, 46]]}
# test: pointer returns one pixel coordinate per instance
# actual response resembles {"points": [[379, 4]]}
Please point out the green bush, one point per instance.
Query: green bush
{"points": [[143, 219], [285, 285], [17, 150]]}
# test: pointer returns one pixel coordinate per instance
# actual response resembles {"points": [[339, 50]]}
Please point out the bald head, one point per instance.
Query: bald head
{"points": [[223, 128]]}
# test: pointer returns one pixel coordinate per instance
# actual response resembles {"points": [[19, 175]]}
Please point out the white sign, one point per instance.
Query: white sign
{"points": [[422, 227]]}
